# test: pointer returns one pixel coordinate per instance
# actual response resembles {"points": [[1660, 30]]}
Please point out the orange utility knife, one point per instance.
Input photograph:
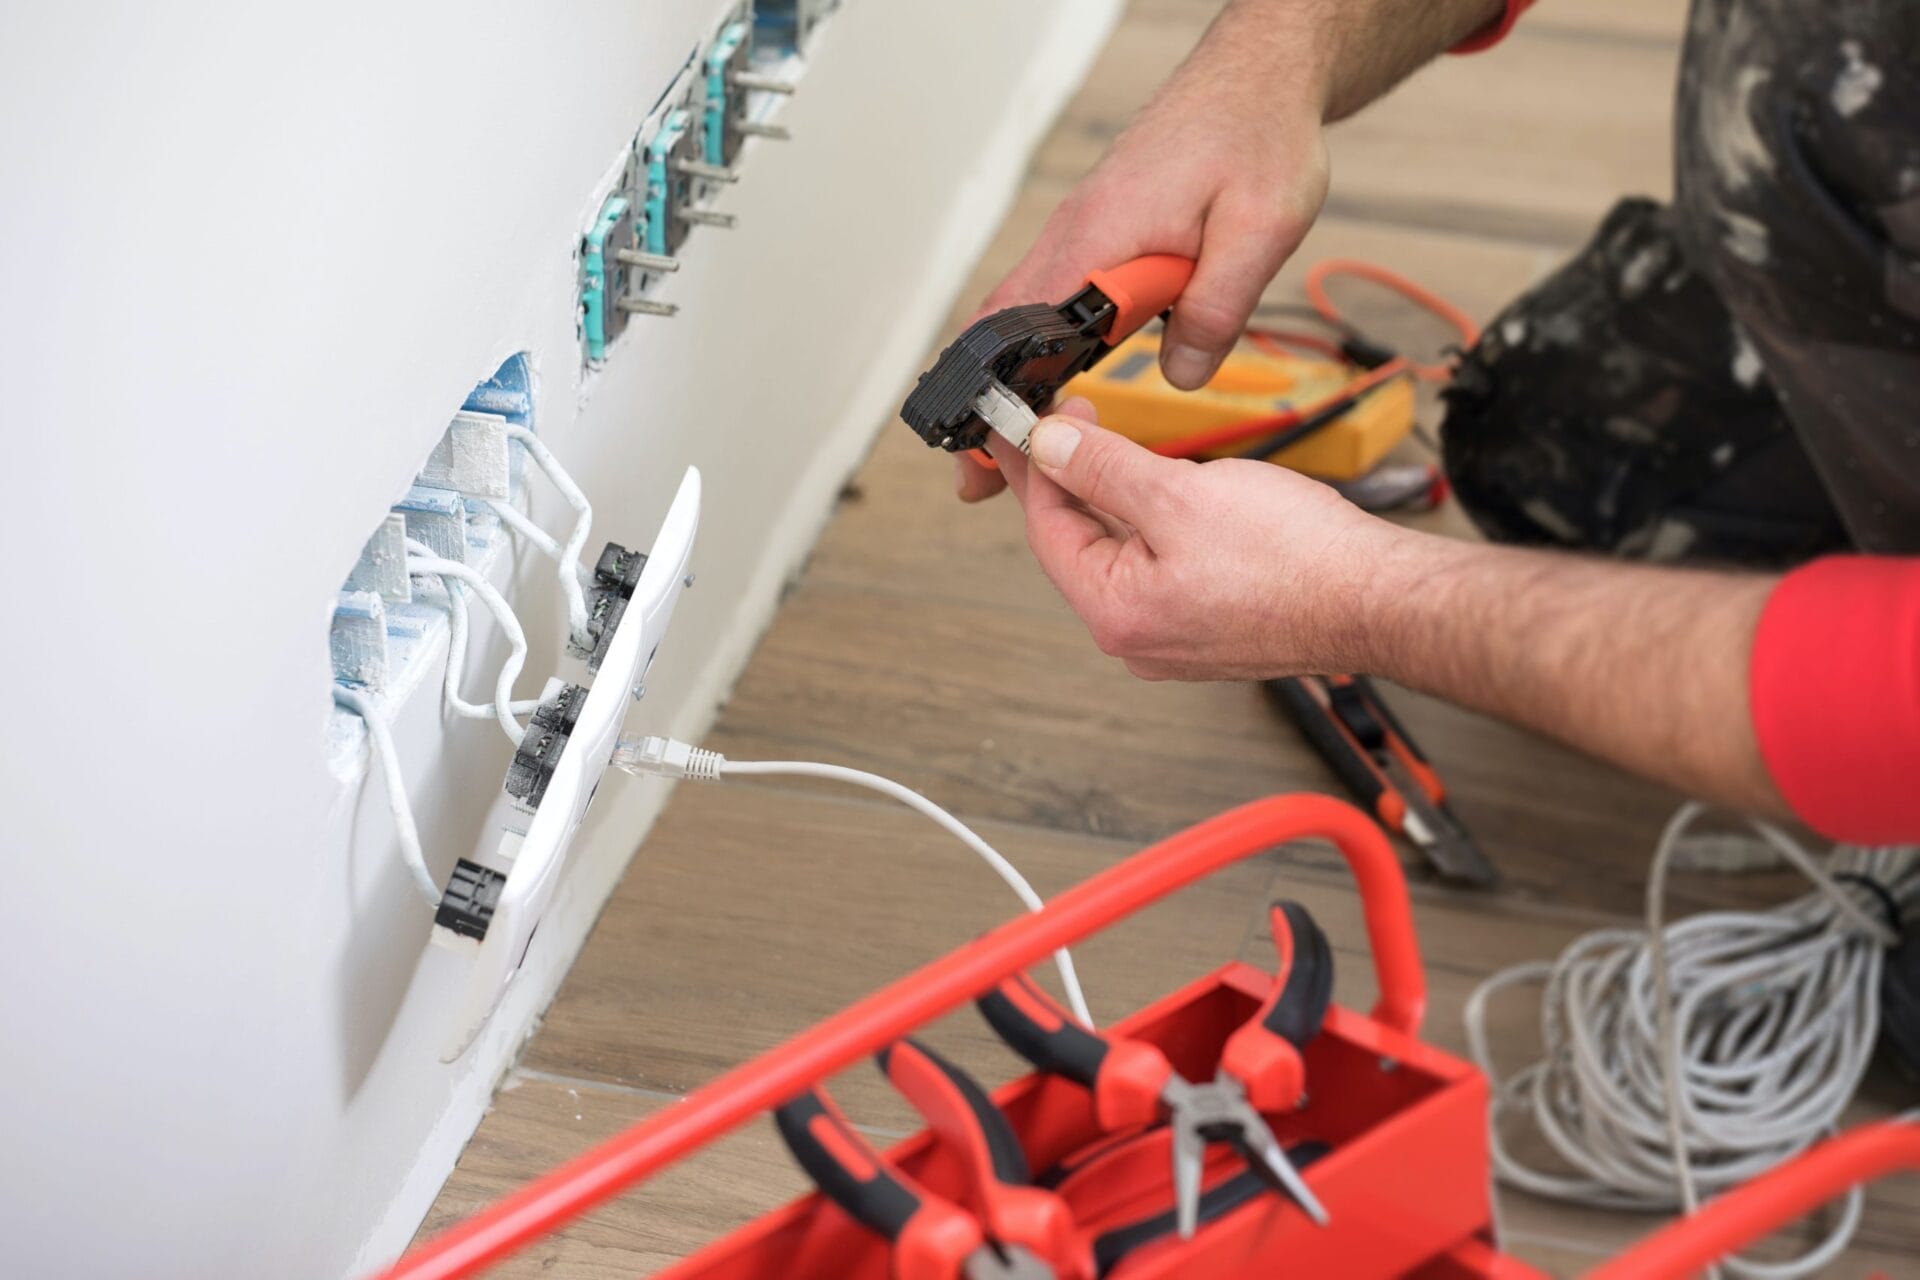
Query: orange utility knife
{"points": [[1006, 368], [1356, 733]]}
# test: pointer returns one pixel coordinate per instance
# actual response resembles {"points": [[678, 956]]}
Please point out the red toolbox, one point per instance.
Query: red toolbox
{"points": [[1404, 1176]]}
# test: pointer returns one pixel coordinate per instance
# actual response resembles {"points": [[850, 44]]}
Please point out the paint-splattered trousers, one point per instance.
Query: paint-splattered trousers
{"points": [[1734, 377]]}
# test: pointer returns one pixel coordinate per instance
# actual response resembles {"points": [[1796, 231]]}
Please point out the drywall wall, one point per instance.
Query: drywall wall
{"points": [[253, 257]]}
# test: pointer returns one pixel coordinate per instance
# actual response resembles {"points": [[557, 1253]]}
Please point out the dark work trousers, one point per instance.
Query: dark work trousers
{"points": [[1733, 378]]}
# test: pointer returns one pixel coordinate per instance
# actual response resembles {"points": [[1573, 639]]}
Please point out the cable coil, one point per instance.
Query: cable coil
{"points": [[1684, 1059]]}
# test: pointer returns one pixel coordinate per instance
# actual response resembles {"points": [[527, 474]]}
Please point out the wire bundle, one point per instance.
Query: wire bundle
{"points": [[458, 579], [1684, 1059]]}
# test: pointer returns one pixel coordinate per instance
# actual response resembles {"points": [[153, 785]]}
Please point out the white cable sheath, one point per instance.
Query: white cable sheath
{"points": [[569, 555], [457, 633], [667, 758], [1684, 1059], [380, 744], [421, 560], [544, 542]]}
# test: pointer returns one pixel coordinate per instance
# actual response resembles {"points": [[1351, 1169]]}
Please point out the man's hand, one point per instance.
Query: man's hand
{"points": [[1231, 570], [1226, 165]]}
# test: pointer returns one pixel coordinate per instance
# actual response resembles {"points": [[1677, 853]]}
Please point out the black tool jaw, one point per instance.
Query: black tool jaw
{"points": [[1031, 350]]}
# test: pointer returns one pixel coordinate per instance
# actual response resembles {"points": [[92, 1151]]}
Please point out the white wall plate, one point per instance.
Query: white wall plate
{"points": [[541, 854]]}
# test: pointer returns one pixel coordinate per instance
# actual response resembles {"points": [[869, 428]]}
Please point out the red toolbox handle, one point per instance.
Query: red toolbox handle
{"points": [[1769, 1202], [781, 1073]]}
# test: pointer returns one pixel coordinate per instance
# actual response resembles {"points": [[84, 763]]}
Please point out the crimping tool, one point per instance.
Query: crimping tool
{"points": [[1132, 1081], [1364, 743], [1006, 368]]}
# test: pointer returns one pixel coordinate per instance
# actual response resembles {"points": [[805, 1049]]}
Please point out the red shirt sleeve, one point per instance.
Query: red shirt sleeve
{"points": [[1495, 31], [1835, 691]]}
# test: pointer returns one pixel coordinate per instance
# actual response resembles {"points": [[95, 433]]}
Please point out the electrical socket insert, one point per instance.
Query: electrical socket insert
{"points": [[517, 883], [604, 277], [720, 113], [669, 191]]}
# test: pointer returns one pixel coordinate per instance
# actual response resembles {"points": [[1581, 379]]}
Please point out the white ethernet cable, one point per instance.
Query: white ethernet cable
{"points": [[668, 758], [380, 744], [454, 575], [1693, 1056], [568, 556]]}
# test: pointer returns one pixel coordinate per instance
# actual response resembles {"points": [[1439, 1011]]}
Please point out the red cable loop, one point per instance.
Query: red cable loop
{"points": [[1320, 272]]}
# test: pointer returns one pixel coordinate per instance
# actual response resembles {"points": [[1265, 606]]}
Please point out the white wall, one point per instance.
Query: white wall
{"points": [[251, 258]]}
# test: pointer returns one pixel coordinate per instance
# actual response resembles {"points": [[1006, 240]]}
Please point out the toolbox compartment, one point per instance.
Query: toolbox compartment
{"points": [[1406, 1179]]}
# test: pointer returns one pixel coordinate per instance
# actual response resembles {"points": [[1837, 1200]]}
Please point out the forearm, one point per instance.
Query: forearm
{"points": [[1337, 54], [1644, 666]]}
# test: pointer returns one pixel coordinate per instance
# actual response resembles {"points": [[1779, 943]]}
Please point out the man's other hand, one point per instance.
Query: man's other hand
{"points": [[1224, 571]]}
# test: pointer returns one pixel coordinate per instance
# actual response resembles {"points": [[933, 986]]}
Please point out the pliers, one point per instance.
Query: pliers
{"points": [[1008, 366], [999, 1179], [1132, 1081], [932, 1238]]}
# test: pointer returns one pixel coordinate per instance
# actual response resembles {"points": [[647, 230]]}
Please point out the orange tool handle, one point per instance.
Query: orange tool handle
{"points": [[932, 1238], [999, 1181], [1141, 290], [1769, 1202], [937, 988], [1125, 1077], [1264, 1054]]}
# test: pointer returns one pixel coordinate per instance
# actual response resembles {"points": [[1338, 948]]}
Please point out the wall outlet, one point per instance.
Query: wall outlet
{"points": [[669, 190], [721, 105], [604, 277], [533, 857]]}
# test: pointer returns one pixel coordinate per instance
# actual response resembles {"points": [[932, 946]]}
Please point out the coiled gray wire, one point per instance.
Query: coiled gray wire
{"points": [[1684, 1059]]}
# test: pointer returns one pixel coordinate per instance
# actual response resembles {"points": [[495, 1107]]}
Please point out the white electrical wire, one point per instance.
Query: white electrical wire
{"points": [[567, 556], [457, 639], [544, 542], [380, 745], [454, 575], [667, 758], [1688, 1058]]}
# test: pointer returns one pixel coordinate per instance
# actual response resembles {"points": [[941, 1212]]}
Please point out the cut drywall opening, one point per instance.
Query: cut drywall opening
{"points": [[389, 628]]}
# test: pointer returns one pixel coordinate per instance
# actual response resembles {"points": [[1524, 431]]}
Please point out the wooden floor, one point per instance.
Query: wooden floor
{"points": [[921, 642]]}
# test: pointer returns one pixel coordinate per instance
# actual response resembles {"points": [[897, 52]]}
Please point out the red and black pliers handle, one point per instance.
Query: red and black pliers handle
{"points": [[999, 1179], [932, 1238], [1131, 1081], [1264, 1054], [1127, 1078]]}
